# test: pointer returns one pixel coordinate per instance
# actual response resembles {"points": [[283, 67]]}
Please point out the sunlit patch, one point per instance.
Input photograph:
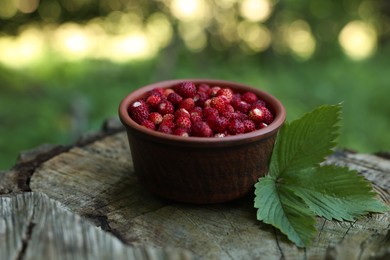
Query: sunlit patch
{"points": [[300, 39], [193, 36], [27, 6], [358, 40], [256, 36], [8, 8], [159, 29], [187, 10], [256, 10], [21, 51], [73, 41], [226, 4], [132, 46]]}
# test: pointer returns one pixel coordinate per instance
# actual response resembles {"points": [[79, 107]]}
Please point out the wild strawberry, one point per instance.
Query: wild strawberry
{"points": [[203, 88], [201, 129], [197, 111], [249, 97], [186, 89], [207, 103], [238, 115], [181, 132], [227, 92], [227, 112], [261, 125], [149, 124], [212, 92], [187, 104], [155, 117], [163, 128], [242, 106], [167, 91], [200, 98], [174, 98], [157, 92], [260, 115], [210, 114], [249, 126], [219, 103], [153, 100], [195, 117], [165, 107], [168, 117], [169, 123], [259, 103], [236, 126], [139, 111], [182, 112], [236, 98], [183, 122], [220, 124]]}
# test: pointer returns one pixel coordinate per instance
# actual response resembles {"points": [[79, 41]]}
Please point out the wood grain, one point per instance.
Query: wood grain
{"points": [[88, 193], [33, 226]]}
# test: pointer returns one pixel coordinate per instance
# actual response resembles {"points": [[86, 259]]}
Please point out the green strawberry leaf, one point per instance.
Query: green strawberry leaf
{"points": [[284, 210], [307, 141], [335, 192], [297, 188]]}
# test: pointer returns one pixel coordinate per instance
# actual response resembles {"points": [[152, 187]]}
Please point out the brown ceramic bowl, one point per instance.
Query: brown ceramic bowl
{"points": [[200, 169]]}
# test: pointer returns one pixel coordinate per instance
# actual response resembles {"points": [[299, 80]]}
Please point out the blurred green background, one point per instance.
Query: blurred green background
{"points": [[66, 64]]}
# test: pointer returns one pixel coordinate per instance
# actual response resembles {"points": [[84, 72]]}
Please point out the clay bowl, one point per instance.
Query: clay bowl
{"points": [[200, 169]]}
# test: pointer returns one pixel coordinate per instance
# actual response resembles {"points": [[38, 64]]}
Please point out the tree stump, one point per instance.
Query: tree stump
{"points": [[84, 202]]}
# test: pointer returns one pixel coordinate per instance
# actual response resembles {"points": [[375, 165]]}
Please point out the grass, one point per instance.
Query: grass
{"points": [[56, 102]]}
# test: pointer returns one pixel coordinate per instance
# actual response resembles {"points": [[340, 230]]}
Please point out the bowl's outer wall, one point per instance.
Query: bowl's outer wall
{"points": [[198, 169], [199, 175]]}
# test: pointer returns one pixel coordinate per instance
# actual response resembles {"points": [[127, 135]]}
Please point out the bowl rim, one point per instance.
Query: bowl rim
{"points": [[263, 133]]}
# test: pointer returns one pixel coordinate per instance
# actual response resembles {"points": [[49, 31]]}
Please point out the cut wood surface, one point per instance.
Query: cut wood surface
{"points": [[84, 202]]}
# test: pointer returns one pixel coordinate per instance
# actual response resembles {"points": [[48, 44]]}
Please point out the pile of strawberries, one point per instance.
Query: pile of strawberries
{"points": [[200, 110]]}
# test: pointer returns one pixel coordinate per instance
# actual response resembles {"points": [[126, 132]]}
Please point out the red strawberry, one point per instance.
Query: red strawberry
{"points": [[242, 106], [187, 104], [153, 100], [165, 107], [163, 128], [201, 129], [212, 92], [203, 88], [249, 126], [167, 91], [259, 103], [261, 115], [249, 97], [236, 126], [174, 98], [200, 98], [219, 103], [220, 124], [227, 92], [155, 117], [149, 124], [183, 122], [139, 111], [186, 89], [182, 112], [197, 111], [181, 132]]}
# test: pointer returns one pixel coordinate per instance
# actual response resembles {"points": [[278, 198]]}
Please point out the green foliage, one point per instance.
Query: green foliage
{"points": [[297, 188]]}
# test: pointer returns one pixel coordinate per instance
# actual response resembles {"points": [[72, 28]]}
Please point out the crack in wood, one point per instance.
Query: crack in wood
{"points": [[26, 238], [282, 256], [351, 225]]}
